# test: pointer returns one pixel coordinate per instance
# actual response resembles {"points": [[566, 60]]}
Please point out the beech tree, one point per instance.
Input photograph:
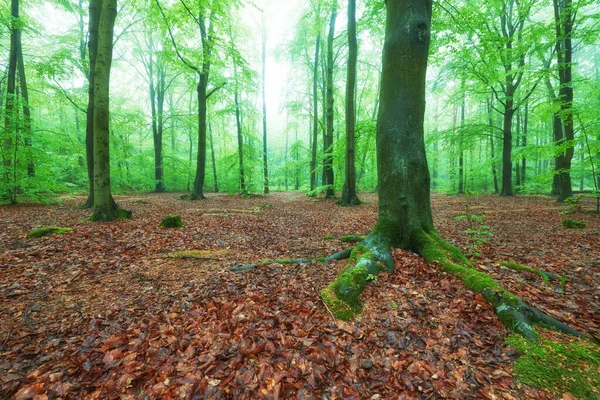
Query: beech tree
{"points": [[105, 208], [349, 196], [404, 217]]}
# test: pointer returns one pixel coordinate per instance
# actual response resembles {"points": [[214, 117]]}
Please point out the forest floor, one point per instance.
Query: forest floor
{"points": [[110, 310]]}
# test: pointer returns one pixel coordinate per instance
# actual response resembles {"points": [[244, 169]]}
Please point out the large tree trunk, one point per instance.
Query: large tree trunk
{"points": [[328, 138], [315, 127], [404, 198], [104, 207], [349, 196]]}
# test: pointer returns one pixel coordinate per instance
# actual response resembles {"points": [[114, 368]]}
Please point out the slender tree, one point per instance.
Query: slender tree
{"points": [[349, 196], [264, 102], [328, 174], [564, 130], [105, 209], [10, 118], [315, 116]]}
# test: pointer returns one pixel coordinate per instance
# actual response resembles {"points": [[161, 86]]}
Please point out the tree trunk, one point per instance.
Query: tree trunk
{"points": [[507, 187], [10, 123], [315, 127], [563, 14], [404, 181], [328, 138], [349, 196], [26, 110], [240, 138], [524, 142], [461, 156], [264, 104], [104, 206]]}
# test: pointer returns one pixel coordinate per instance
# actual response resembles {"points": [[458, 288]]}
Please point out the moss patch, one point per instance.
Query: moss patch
{"points": [[573, 224], [171, 221], [352, 238], [340, 309], [48, 230], [560, 366], [197, 253]]}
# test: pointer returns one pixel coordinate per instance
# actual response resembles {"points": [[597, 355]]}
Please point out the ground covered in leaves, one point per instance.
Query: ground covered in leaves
{"points": [[130, 310]]}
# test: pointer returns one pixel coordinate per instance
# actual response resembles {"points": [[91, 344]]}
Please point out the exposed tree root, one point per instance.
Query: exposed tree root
{"points": [[545, 275], [373, 255], [269, 262]]}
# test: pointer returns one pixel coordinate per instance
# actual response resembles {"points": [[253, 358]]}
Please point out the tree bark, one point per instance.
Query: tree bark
{"points": [[213, 160], [349, 196], [104, 206]]}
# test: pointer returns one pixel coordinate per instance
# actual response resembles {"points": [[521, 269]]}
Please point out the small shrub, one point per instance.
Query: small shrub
{"points": [[572, 205], [171, 221], [477, 230], [573, 224], [48, 230]]}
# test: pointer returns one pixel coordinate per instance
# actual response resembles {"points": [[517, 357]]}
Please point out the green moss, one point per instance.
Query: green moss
{"points": [[352, 238], [520, 267], [48, 230], [124, 214], [339, 309], [171, 221], [573, 224], [328, 237], [197, 253], [572, 367], [321, 259]]}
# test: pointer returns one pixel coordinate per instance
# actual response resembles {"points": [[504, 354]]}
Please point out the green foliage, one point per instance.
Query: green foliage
{"points": [[573, 224], [477, 231], [565, 366], [48, 230]]}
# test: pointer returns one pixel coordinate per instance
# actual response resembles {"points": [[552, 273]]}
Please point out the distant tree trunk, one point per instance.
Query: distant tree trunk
{"points": [[105, 208], [10, 123], [95, 8], [214, 162], [157, 100], [492, 145], [461, 156], [285, 159], [315, 128], [349, 196], [264, 104], [328, 138], [518, 143], [240, 138], [297, 160], [26, 110]]}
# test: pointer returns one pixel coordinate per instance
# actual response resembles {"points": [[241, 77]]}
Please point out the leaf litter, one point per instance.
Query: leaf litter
{"points": [[104, 312]]}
